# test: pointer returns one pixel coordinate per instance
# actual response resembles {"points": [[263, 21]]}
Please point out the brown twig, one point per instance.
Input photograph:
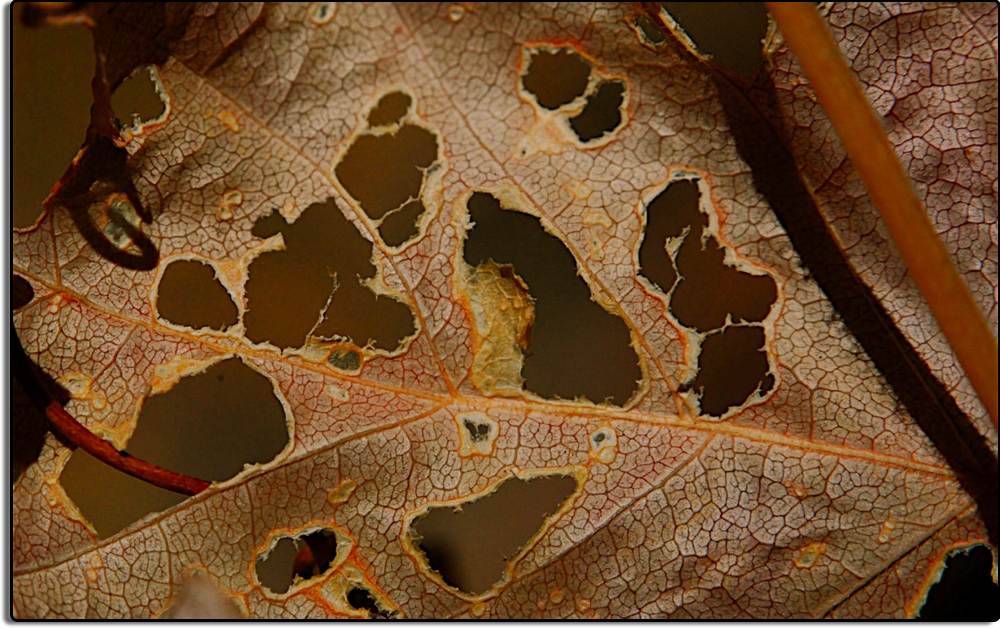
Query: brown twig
{"points": [[865, 142], [75, 432]]}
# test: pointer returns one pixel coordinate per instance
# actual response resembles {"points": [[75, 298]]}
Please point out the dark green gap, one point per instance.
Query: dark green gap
{"points": [[345, 360], [191, 294], [287, 291], [731, 32], [966, 591], [602, 114], [305, 556], [208, 426], [470, 544], [50, 102], [577, 348], [556, 78], [137, 97], [361, 599]]}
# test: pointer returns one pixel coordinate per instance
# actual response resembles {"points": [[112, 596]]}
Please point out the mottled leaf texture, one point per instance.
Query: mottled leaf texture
{"points": [[401, 157]]}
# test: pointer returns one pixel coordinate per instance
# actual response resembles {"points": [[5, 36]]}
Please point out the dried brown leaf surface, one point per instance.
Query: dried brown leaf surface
{"points": [[930, 71], [815, 495]]}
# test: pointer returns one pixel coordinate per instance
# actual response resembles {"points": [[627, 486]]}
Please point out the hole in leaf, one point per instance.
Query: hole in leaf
{"points": [[556, 78], [682, 261], [471, 544], [21, 292], [361, 599], [400, 225], [731, 32], [288, 292], [576, 348], [966, 590], [732, 365], [697, 301], [602, 114], [651, 32], [478, 432], [50, 108], [669, 215], [136, 100], [31, 389], [209, 425], [386, 172], [390, 109], [191, 294], [297, 558]]}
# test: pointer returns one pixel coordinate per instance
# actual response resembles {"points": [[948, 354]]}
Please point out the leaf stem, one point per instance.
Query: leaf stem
{"points": [[868, 147], [75, 432]]}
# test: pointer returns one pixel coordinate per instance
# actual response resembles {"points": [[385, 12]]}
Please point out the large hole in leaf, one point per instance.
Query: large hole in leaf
{"points": [[966, 590], [471, 544], [732, 366], [708, 295], [385, 172], [209, 425], [317, 286], [31, 388], [390, 109], [21, 292], [136, 100], [293, 559], [602, 114], [577, 348], [731, 32], [556, 77], [50, 101], [191, 294]]}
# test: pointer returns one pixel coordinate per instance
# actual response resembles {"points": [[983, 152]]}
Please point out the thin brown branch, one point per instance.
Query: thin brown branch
{"points": [[865, 142], [75, 432]]}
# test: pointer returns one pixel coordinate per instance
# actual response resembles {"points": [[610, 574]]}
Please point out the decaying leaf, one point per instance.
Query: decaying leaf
{"points": [[395, 203]]}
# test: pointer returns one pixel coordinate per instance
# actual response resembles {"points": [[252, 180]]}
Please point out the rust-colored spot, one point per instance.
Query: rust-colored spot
{"points": [[229, 120], [809, 554]]}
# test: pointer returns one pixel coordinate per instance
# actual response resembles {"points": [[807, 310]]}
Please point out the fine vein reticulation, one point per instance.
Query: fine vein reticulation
{"points": [[819, 496]]}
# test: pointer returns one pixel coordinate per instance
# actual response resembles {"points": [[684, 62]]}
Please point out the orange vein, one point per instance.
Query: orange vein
{"points": [[866, 144], [78, 434]]}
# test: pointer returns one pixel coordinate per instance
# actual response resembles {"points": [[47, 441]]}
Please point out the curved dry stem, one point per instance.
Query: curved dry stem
{"points": [[75, 432], [865, 142]]}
